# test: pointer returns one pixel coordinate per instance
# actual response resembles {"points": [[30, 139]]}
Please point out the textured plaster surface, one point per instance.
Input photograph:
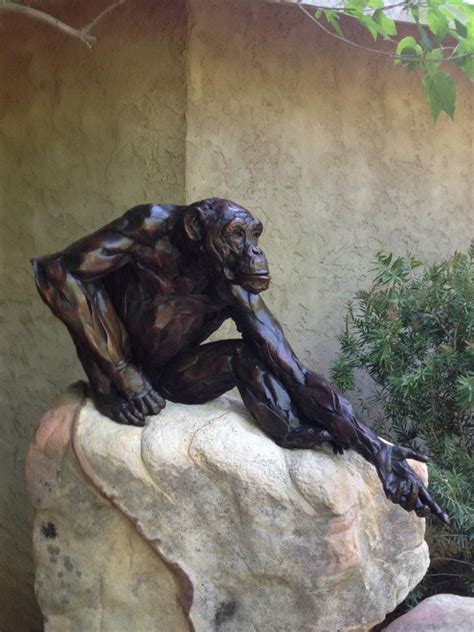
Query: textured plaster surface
{"points": [[334, 149], [85, 134]]}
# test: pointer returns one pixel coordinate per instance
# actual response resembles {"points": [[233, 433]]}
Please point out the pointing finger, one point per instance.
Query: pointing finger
{"points": [[436, 510]]}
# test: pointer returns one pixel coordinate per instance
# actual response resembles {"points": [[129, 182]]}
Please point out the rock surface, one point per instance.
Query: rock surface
{"points": [[199, 521], [440, 613]]}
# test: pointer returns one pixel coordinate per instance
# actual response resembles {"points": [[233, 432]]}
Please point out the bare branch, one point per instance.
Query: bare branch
{"points": [[97, 19], [15, 7], [81, 33]]}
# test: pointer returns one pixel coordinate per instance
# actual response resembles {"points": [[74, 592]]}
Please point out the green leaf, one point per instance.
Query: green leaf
{"points": [[411, 58], [370, 24], [465, 392], [386, 24], [332, 18], [318, 14], [461, 29], [433, 60], [440, 91], [354, 5], [437, 23], [375, 4], [406, 42], [415, 11], [424, 39], [468, 68]]}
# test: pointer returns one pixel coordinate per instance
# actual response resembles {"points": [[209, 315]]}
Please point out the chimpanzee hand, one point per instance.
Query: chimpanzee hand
{"points": [[401, 485]]}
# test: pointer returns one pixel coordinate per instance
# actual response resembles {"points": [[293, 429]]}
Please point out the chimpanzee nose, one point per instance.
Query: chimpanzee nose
{"points": [[254, 250]]}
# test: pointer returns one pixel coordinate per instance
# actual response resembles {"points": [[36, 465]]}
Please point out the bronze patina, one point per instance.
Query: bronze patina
{"points": [[141, 295]]}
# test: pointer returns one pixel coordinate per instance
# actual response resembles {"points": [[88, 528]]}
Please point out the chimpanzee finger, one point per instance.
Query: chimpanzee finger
{"points": [[157, 398], [421, 510], [396, 496], [134, 417], [122, 419], [140, 405], [154, 406], [436, 510], [408, 453], [154, 402], [412, 497]]}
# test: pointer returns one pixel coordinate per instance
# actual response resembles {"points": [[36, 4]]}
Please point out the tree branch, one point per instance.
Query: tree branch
{"points": [[97, 19], [373, 50], [82, 34], [343, 39]]}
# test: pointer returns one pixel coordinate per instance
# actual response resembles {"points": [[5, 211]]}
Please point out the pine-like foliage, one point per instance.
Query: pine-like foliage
{"points": [[412, 332]]}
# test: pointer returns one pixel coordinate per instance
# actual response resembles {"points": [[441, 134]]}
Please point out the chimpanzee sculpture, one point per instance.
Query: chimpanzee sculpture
{"points": [[140, 295]]}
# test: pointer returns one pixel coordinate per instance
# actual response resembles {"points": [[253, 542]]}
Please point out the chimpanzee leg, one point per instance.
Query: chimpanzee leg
{"points": [[202, 374]]}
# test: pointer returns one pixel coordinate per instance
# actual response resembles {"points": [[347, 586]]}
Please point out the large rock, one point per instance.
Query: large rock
{"points": [[199, 521], [440, 613]]}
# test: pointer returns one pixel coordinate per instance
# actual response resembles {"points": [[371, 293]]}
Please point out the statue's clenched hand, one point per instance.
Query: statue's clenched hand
{"points": [[402, 485]]}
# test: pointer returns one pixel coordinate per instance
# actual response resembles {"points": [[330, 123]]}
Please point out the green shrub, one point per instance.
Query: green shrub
{"points": [[412, 333]]}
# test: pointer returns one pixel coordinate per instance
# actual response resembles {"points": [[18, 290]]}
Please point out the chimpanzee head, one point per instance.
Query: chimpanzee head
{"points": [[228, 235]]}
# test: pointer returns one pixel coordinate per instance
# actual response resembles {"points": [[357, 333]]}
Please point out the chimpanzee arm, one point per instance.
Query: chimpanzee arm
{"points": [[70, 283], [319, 403]]}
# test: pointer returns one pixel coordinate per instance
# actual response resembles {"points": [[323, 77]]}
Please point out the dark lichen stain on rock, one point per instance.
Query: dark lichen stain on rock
{"points": [[49, 530], [68, 564], [225, 611]]}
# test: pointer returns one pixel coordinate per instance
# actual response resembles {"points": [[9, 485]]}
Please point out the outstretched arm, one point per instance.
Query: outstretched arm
{"points": [[70, 283], [319, 403]]}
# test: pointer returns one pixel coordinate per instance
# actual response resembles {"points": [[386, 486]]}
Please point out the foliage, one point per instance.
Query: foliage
{"points": [[412, 333], [445, 35]]}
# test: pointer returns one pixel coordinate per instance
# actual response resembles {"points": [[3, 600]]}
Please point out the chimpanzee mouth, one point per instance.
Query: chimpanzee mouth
{"points": [[256, 282], [265, 274]]}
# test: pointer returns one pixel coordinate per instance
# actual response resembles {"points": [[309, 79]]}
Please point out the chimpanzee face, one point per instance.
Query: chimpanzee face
{"points": [[245, 259], [229, 237]]}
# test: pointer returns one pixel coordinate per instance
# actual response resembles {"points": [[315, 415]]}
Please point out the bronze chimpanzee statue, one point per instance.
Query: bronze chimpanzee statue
{"points": [[139, 297]]}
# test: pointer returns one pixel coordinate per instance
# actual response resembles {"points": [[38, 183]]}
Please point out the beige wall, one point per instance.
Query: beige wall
{"points": [[85, 135], [334, 149]]}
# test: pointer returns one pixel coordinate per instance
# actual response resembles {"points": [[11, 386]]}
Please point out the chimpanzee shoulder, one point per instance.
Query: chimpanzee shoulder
{"points": [[148, 222]]}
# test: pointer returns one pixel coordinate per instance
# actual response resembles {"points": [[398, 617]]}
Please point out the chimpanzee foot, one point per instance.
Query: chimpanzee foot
{"points": [[119, 410], [148, 403]]}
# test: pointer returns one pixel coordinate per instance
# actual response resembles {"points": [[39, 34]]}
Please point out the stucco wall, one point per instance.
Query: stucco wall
{"points": [[334, 149], [86, 134]]}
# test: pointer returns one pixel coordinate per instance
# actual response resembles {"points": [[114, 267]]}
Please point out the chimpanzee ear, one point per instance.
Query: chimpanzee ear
{"points": [[194, 222]]}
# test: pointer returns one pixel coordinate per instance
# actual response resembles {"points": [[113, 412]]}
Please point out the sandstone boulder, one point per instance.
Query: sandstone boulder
{"points": [[440, 613], [200, 522]]}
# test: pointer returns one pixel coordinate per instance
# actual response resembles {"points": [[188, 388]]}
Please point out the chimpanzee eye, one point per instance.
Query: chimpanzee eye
{"points": [[239, 233]]}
